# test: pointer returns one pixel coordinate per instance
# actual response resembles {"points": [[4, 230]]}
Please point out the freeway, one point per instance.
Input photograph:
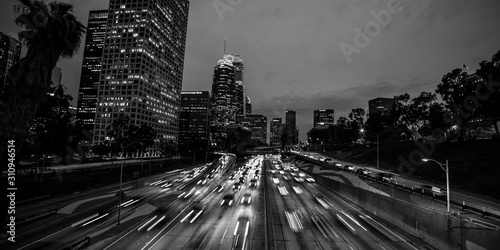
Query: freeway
{"points": [[258, 203], [489, 205]]}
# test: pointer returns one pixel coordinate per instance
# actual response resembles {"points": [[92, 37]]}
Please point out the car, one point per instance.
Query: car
{"points": [[237, 186], [253, 182], [231, 177], [227, 200], [240, 234], [310, 179], [363, 171], [282, 172], [202, 181], [349, 167], [282, 190], [385, 176], [293, 174], [299, 179], [211, 176], [326, 204], [257, 171], [219, 188], [302, 174], [294, 222], [247, 197], [242, 180], [276, 180], [297, 189], [329, 161], [286, 178], [195, 213]]}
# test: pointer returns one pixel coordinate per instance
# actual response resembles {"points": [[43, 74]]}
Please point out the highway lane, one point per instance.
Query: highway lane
{"points": [[58, 230], [334, 226]]}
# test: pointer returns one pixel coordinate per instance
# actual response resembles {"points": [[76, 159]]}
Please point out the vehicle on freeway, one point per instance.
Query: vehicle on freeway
{"points": [[273, 171], [231, 177], [363, 171], [257, 171], [240, 239], [282, 190], [349, 167], [227, 200], [211, 176], [167, 184], [177, 180], [429, 189], [329, 161], [202, 181], [282, 172], [237, 186], [242, 180], [302, 174], [310, 179], [299, 179], [294, 220], [326, 204], [322, 159], [385, 176], [297, 189], [219, 188], [187, 194], [247, 197], [195, 213], [286, 178], [338, 164], [293, 174], [253, 182], [275, 180]]}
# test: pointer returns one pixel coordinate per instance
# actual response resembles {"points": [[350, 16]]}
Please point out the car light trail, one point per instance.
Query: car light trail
{"points": [[180, 196], [187, 216], [123, 204], [130, 203], [102, 216], [345, 222], [147, 222], [82, 221], [196, 216], [236, 228], [354, 220], [156, 223]]}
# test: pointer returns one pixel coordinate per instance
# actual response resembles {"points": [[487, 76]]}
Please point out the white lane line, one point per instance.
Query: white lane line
{"points": [[86, 219]]}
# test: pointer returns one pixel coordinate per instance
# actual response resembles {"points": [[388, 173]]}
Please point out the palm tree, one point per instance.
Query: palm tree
{"points": [[52, 32]]}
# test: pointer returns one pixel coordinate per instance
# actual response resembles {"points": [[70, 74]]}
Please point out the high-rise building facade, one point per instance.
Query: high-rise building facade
{"points": [[194, 121], [323, 116], [258, 125], [10, 52], [227, 96], [248, 105], [276, 129], [91, 68], [142, 65], [379, 105], [291, 127]]}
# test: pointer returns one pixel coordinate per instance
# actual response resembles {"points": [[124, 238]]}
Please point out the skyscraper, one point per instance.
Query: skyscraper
{"points": [[290, 127], [258, 125], [91, 68], [380, 104], [323, 115], [10, 52], [142, 65], [194, 123], [276, 130], [227, 95]]}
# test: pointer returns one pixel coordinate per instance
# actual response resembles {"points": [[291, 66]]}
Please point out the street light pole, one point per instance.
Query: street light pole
{"points": [[447, 181]]}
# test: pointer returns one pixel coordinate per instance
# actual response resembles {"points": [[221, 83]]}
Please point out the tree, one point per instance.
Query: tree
{"points": [[167, 147], [53, 32], [100, 150], [51, 132], [454, 89], [489, 107]]}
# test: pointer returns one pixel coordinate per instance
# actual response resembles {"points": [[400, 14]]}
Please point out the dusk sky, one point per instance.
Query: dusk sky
{"points": [[293, 55]]}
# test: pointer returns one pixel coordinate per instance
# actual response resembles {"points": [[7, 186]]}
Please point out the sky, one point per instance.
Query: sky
{"points": [[321, 54]]}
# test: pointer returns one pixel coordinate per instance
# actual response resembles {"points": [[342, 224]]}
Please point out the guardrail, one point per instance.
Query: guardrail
{"points": [[420, 191]]}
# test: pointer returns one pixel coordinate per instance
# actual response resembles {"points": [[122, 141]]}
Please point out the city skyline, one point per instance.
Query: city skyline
{"points": [[411, 53]]}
